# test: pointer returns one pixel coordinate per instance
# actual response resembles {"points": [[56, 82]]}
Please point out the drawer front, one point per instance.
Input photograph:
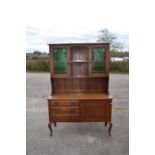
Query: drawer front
{"points": [[65, 110], [64, 104], [65, 118]]}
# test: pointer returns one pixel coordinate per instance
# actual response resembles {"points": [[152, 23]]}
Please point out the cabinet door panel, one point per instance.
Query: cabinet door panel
{"points": [[98, 60], [60, 60], [93, 109]]}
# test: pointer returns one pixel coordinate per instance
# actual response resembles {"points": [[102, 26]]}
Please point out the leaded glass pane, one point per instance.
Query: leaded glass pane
{"points": [[60, 60], [98, 60]]}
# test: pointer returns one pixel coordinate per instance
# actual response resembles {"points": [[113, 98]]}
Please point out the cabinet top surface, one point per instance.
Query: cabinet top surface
{"points": [[80, 96], [56, 44]]}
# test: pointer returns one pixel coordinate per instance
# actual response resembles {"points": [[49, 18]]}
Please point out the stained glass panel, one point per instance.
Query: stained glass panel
{"points": [[98, 60], [60, 60]]}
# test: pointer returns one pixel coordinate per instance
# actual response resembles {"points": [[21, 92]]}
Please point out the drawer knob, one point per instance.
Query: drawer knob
{"points": [[57, 110], [72, 110], [56, 104], [73, 103]]}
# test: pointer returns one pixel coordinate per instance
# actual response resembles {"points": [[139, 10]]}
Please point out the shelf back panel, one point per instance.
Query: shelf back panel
{"points": [[74, 85]]}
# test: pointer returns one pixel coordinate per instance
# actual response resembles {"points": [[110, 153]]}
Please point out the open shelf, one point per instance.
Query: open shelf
{"points": [[79, 61], [72, 61]]}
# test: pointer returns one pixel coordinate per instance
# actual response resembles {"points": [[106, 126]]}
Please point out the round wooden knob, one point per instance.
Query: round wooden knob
{"points": [[72, 110], [56, 103]]}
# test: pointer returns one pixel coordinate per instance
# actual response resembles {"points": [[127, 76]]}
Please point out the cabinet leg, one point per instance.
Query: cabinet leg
{"points": [[109, 129], [105, 123], [55, 124], [50, 128]]}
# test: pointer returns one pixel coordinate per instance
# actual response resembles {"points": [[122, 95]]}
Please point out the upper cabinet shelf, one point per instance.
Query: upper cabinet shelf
{"points": [[78, 61]]}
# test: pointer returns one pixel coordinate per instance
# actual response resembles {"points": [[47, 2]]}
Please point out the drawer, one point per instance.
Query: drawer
{"points": [[65, 118], [64, 103], [65, 110]]}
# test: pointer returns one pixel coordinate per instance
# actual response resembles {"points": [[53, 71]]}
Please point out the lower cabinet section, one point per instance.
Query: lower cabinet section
{"points": [[81, 111]]}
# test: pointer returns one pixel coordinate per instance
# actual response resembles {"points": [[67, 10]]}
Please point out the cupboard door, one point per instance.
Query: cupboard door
{"points": [[96, 111], [98, 60], [60, 60], [93, 108]]}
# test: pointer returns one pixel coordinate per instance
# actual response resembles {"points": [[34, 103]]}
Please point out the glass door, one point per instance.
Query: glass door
{"points": [[60, 60], [98, 60]]}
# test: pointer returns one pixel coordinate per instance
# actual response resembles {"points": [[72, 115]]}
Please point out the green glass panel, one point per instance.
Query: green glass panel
{"points": [[98, 60], [60, 60]]}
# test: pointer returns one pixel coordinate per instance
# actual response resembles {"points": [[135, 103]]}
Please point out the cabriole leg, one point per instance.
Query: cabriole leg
{"points": [[55, 124], [110, 127], [105, 123], [50, 128]]}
